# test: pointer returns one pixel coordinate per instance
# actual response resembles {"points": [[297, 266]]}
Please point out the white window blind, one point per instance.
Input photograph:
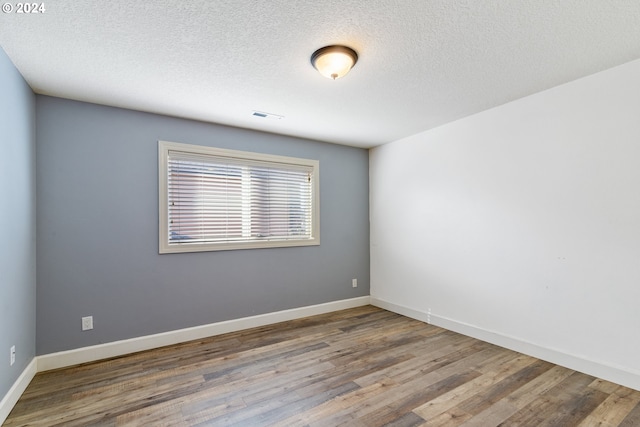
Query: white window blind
{"points": [[223, 199]]}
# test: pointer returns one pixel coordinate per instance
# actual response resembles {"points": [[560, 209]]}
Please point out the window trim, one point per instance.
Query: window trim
{"points": [[163, 154]]}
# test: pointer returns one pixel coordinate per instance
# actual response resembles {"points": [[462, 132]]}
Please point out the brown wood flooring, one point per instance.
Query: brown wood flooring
{"points": [[357, 367]]}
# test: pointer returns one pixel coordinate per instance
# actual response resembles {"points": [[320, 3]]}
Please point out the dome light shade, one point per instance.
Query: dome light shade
{"points": [[334, 62]]}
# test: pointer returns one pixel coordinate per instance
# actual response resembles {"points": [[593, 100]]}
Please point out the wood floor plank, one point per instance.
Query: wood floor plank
{"points": [[478, 386], [575, 409], [550, 403], [497, 391], [401, 405], [613, 410], [523, 396], [344, 408], [451, 418], [358, 367], [633, 418]]}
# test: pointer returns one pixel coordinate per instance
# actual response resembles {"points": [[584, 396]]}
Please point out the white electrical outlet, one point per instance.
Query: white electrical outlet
{"points": [[354, 283], [87, 323], [12, 358]]}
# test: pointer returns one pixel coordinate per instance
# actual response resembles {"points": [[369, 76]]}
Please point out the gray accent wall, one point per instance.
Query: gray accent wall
{"points": [[97, 230], [18, 219]]}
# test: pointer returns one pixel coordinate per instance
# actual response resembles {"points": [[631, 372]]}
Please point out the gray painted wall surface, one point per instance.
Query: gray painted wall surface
{"points": [[97, 234], [17, 216]]}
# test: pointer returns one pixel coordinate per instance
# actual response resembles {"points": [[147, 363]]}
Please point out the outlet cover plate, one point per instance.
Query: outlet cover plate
{"points": [[87, 323]]}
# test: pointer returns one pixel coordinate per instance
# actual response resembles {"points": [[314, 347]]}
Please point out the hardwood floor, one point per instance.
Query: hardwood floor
{"points": [[357, 367]]}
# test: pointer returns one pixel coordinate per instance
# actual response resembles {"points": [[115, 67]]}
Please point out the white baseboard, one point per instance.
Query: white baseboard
{"points": [[400, 309], [119, 348], [617, 374], [9, 400]]}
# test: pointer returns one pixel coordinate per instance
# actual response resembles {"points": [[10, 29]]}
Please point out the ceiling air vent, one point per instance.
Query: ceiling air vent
{"points": [[264, 115]]}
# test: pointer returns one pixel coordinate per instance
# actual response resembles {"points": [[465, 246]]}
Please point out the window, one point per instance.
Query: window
{"points": [[217, 199]]}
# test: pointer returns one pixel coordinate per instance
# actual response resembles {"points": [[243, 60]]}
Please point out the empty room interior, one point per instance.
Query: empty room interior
{"points": [[320, 213]]}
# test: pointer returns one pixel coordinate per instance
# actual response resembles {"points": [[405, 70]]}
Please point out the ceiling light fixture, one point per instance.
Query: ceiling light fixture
{"points": [[334, 61]]}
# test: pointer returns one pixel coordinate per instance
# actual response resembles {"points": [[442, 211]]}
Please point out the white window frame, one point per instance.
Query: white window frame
{"points": [[164, 147]]}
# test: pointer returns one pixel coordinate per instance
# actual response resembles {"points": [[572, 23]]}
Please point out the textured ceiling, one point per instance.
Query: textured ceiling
{"points": [[422, 63]]}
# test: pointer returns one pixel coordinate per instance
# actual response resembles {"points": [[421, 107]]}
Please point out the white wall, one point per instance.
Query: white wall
{"points": [[521, 225]]}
